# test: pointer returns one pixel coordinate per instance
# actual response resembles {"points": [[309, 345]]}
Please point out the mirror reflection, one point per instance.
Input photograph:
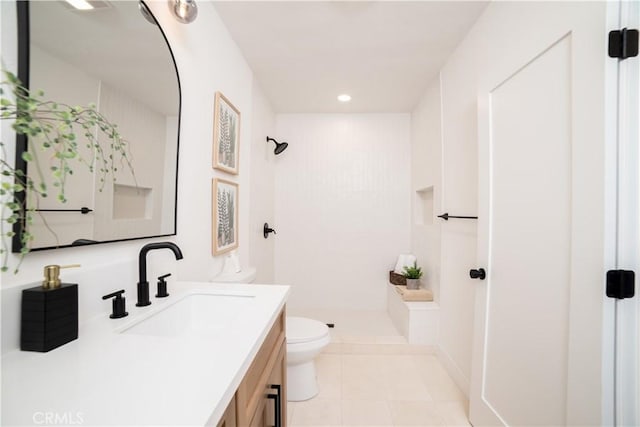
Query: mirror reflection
{"points": [[116, 58]]}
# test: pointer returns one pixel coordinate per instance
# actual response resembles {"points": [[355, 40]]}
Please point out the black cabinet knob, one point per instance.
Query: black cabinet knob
{"points": [[478, 274]]}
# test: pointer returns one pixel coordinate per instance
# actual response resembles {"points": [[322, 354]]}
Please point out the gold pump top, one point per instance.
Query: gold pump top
{"points": [[52, 275]]}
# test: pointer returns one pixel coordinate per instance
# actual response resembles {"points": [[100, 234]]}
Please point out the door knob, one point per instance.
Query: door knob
{"points": [[478, 274]]}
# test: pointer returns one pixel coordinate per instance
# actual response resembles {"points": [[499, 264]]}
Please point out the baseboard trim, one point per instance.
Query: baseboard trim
{"points": [[453, 370]]}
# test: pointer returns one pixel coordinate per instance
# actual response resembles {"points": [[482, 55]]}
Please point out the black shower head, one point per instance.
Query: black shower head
{"points": [[280, 146]]}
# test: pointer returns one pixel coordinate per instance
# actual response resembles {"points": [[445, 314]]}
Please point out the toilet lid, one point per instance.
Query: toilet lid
{"points": [[301, 329]]}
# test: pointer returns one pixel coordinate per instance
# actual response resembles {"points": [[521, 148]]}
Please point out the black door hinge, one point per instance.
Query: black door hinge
{"points": [[621, 284], [623, 43]]}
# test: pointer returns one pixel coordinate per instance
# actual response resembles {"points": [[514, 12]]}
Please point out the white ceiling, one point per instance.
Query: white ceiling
{"points": [[304, 54]]}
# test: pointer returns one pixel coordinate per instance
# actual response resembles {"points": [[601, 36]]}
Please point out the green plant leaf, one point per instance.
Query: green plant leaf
{"points": [[51, 128]]}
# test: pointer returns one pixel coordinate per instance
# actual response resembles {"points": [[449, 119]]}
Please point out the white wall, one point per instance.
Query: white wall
{"points": [[444, 155], [208, 61], [262, 251], [459, 197], [426, 186], [342, 207]]}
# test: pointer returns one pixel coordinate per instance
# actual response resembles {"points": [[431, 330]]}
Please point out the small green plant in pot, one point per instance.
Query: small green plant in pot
{"points": [[413, 275]]}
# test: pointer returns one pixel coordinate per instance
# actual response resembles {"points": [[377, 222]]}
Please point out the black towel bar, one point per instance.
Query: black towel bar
{"points": [[83, 210], [446, 216]]}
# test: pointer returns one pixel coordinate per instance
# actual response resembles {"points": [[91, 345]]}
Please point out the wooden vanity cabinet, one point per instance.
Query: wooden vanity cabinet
{"points": [[274, 397], [229, 417], [261, 399]]}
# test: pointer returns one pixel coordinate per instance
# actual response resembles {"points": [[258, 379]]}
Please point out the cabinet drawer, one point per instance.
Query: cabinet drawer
{"points": [[270, 410], [251, 393]]}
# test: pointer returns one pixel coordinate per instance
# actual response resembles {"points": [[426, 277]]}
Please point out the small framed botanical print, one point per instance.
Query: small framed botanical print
{"points": [[226, 135], [225, 216]]}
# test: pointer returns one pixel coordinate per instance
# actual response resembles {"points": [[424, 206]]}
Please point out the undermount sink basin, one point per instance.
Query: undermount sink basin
{"points": [[200, 314]]}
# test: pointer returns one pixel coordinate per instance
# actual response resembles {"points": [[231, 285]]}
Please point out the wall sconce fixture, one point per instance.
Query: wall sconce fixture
{"points": [[185, 11], [280, 146]]}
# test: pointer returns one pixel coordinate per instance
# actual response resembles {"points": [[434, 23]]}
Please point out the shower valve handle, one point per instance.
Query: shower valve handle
{"points": [[266, 230]]}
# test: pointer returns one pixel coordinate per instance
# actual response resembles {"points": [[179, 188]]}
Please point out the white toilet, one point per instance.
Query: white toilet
{"points": [[305, 340]]}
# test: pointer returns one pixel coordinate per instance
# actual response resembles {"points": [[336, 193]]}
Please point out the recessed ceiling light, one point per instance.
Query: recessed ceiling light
{"points": [[80, 4], [344, 98]]}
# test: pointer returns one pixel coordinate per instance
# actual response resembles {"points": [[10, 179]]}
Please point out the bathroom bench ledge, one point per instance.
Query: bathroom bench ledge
{"points": [[418, 321]]}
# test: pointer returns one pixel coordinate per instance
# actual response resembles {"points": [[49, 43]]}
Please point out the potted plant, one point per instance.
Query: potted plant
{"points": [[413, 275]]}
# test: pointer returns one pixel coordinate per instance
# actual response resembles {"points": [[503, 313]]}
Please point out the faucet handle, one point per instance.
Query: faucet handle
{"points": [[266, 230], [162, 286], [119, 308]]}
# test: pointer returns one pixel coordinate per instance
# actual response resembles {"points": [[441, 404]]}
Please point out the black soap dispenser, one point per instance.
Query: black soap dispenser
{"points": [[49, 313]]}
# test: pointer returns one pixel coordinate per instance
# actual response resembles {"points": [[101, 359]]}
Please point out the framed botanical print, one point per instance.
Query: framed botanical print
{"points": [[225, 216], [226, 135]]}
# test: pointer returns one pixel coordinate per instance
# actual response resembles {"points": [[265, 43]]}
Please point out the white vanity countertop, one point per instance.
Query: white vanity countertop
{"points": [[106, 377]]}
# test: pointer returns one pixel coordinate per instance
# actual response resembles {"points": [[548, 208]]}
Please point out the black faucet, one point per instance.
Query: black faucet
{"points": [[143, 285]]}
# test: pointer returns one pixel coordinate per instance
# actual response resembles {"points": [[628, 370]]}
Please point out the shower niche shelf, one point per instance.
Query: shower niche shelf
{"points": [[131, 202], [423, 214]]}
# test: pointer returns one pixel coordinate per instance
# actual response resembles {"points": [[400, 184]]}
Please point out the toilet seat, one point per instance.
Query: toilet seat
{"points": [[302, 330]]}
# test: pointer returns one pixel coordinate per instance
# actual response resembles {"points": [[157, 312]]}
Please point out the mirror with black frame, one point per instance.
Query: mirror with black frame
{"points": [[116, 57]]}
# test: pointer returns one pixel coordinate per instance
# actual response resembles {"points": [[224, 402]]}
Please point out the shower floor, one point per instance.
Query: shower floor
{"points": [[355, 326]]}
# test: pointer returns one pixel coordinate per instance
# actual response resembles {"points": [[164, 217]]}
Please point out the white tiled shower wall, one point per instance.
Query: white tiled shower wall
{"points": [[342, 204]]}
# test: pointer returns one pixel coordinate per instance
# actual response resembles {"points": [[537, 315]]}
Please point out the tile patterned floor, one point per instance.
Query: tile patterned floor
{"points": [[367, 379]]}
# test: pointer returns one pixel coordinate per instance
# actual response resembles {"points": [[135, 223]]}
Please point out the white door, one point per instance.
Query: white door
{"points": [[537, 357]]}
